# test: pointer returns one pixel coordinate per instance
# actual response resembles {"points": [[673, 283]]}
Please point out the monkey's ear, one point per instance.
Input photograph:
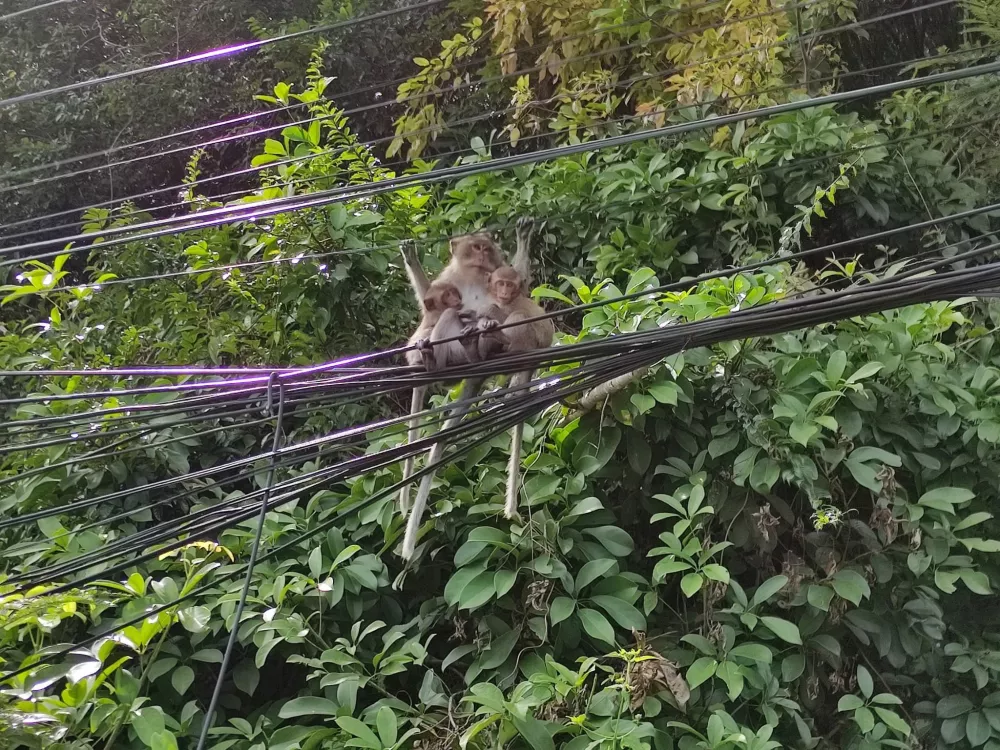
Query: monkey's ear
{"points": [[453, 244]]}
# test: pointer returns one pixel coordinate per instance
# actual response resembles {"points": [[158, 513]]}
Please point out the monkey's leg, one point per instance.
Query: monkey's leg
{"points": [[470, 388], [514, 464], [416, 405]]}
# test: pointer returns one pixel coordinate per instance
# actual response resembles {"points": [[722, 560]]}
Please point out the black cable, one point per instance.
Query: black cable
{"points": [[268, 208], [32, 9], [659, 15], [254, 549], [439, 156], [440, 90], [215, 54], [780, 320], [797, 163]]}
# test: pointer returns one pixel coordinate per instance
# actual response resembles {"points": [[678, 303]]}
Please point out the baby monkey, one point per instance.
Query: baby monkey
{"points": [[448, 318]]}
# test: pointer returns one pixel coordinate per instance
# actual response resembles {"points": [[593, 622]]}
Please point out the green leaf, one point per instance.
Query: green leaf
{"points": [[716, 573], [865, 719], [943, 498], [785, 630], [194, 619], [850, 585], [479, 591], [865, 682], [802, 432], [973, 519], [643, 402], [621, 612], [723, 444], [820, 597], [457, 583], [792, 667], [504, 581], [562, 607], [596, 625], [894, 721], [385, 722], [592, 571], [665, 393], [757, 652], [701, 670], [691, 584], [666, 566], [865, 371], [769, 588], [182, 678], [977, 729], [732, 675], [365, 736], [765, 473], [953, 705], [533, 731], [835, 366], [976, 582], [308, 705], [849, 703], [614, 540], [246, 677]]}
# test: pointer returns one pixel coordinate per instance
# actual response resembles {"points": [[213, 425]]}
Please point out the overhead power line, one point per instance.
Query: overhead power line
{"points": [[628, 348], [32, 9], [103, 153], [215, 54], [464, 121], [479, 82], [267, 208]]}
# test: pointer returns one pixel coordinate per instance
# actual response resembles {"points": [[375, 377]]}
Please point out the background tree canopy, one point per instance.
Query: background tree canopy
{"points": [[781, 542]]}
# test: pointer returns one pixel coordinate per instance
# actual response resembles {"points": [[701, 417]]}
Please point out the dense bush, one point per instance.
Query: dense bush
{"points": [[782, 542]]}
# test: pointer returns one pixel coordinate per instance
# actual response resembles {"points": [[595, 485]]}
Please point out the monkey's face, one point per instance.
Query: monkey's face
{"points": [[477, 250], [442, 296], [505, 285]]}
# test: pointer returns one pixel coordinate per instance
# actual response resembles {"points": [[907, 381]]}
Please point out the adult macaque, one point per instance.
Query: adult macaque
{"points": [[473, 258], [522, 266]]}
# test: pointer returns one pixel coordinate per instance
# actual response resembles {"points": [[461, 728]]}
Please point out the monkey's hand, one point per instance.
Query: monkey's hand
{"points": [[525, 226], [409, 250], [426, 350], [487, 324], [469, 331]]}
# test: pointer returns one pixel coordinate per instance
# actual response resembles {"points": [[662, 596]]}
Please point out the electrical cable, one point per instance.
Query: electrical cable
{"points": [[32, 9], [439, 156], [659, 15], [430, 240], [947, 286], [215, 54], [268, 208], [254, 550], [452, 89]]}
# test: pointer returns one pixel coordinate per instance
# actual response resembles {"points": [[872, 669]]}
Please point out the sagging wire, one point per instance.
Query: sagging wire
{"points": [[659, 15], [367, 108], [267, 208], [251, 563], [786, 318], [216, 54], [293, 260], [42, 6], [468, 120], [296, 181], [257, 382]]}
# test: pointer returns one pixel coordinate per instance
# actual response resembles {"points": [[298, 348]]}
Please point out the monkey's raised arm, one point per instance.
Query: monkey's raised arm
{"points": [[522, 255], [415, 271]]}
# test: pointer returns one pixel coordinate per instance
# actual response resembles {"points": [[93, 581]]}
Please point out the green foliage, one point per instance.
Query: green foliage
{"points": [[781, 542]]}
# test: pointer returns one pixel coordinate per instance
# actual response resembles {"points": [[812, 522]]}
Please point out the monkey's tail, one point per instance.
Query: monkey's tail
{"points": [[513, 471], [416, 404]]}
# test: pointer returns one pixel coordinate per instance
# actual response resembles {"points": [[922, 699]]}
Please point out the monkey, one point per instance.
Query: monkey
{"points": [[522, 266], [511, 304], [473, 258]]}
